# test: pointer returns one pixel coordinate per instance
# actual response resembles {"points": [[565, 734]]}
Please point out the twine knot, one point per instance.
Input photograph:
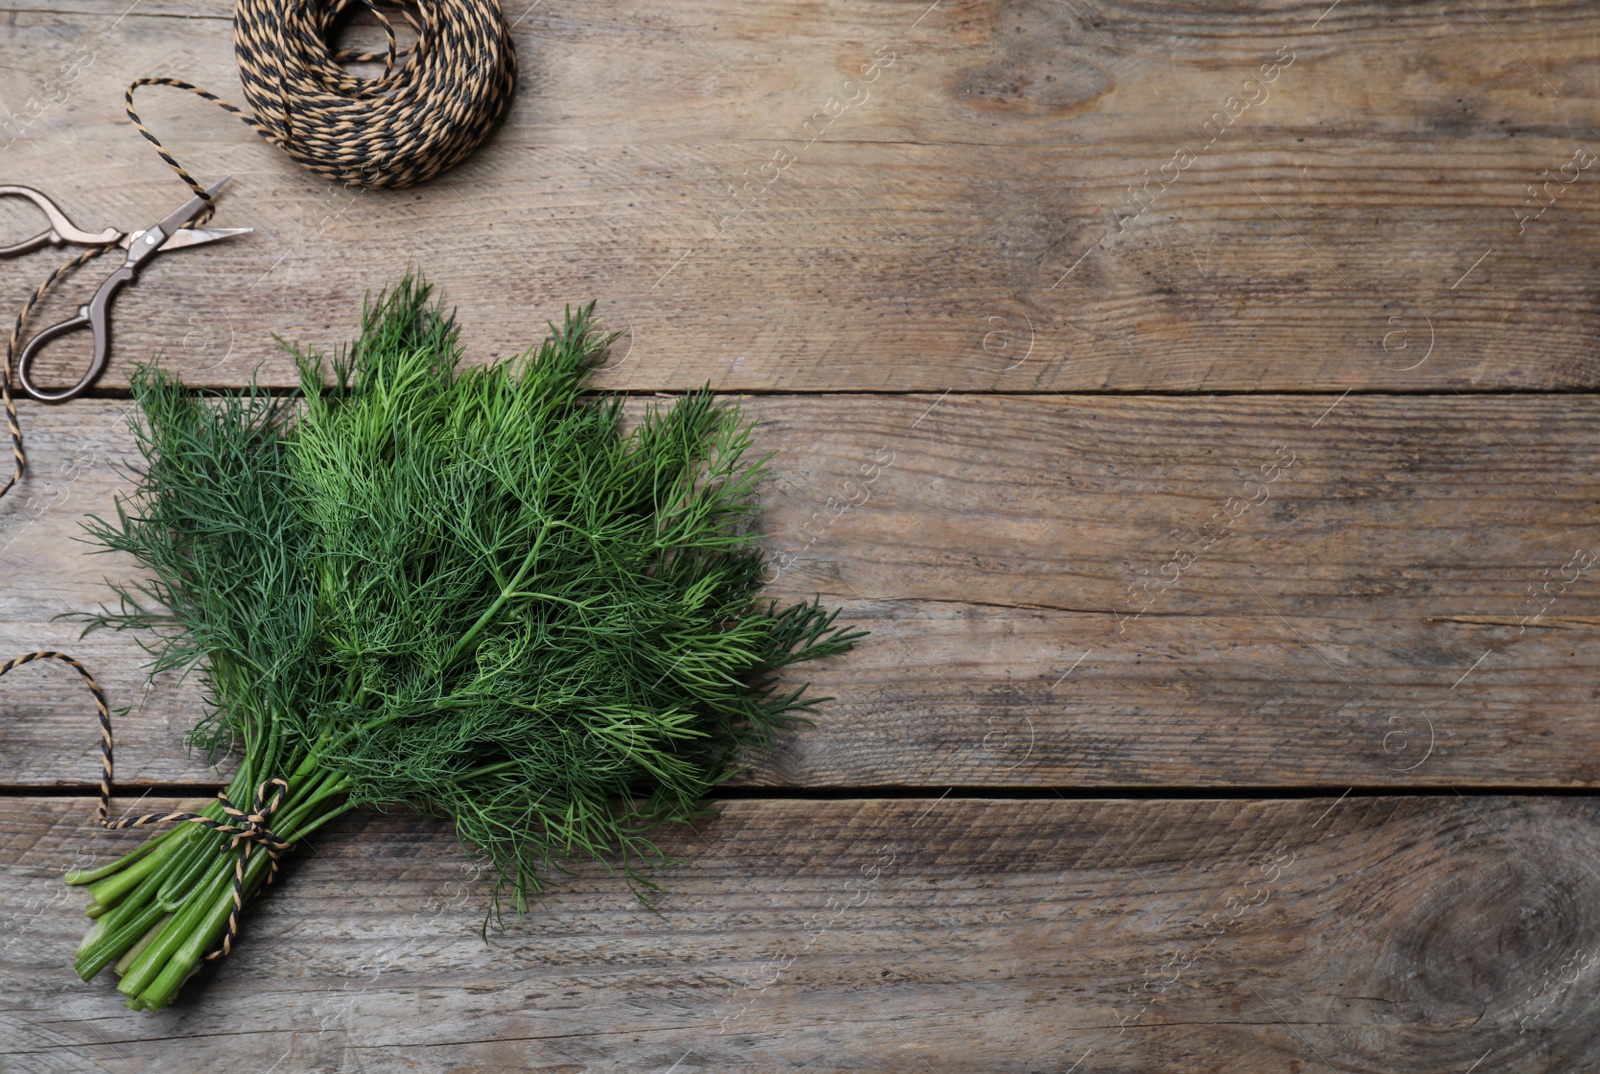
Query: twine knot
{"points": [[254, 829], [253, 832]]}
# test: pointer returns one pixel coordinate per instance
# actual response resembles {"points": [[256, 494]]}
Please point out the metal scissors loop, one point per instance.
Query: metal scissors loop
{"points": [[60, 230], [170, 234]]}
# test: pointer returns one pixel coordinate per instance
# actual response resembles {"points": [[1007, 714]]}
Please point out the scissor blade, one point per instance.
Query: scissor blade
{"points": [[188, 236], [191, 209]]}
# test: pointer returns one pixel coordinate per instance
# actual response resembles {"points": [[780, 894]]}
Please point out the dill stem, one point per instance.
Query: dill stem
{"points": [[484, 771], [111, 943], [213, 907], [180, 927], [103, 936], [153, 976], [334, 783], [147, 895], [89, 876], [186, 871], [506, 594], [137, 949], [111, 891], [183, 871], [208, 917]]}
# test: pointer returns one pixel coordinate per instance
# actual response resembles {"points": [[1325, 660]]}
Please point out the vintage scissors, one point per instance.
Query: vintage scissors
{"points": [[170, 234]]}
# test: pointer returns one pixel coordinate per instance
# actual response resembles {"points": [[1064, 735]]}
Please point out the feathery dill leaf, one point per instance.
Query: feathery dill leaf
{"points": [[459, 589]]}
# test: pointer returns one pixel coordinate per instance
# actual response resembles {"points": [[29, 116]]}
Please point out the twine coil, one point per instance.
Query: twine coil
{"points": [[432, 105]]}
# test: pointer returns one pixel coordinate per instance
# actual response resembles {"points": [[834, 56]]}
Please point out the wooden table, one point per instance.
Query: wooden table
{"points": [[1230, 560]]}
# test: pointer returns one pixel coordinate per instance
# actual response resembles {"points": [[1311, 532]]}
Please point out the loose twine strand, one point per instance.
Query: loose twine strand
{"points": [[431, 107], [19, 459], [250, 832]]}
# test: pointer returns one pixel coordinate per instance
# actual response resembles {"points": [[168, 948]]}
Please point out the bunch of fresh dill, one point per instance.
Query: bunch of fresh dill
{"points": [[464, 590]]}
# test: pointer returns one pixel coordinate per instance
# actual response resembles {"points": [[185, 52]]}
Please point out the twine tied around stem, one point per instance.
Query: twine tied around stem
{"points": [[251, 831]]}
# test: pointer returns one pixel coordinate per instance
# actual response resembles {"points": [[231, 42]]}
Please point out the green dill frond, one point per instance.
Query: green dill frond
{"points": [[466, 589]]}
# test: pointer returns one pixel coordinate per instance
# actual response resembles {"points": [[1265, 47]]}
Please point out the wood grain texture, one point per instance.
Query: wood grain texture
{"points": [[977, 321], [977, 220], [1359, 935], [1367, 622]]}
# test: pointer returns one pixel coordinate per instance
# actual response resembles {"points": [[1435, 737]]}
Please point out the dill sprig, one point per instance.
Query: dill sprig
{"points": [[459, 589]]}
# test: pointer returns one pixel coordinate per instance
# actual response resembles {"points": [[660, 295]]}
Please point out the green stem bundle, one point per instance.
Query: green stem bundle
{"points": [[461, 590], [161, 908]]}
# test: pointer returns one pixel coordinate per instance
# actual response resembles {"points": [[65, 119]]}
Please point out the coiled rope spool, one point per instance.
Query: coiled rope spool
{"points": [[431, 106]]}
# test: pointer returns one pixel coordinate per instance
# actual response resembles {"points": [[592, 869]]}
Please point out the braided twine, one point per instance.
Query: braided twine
{"points": [[431, 106]]}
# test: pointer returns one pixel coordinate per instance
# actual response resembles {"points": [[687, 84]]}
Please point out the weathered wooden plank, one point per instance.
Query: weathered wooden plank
{"points": [[956, 934], [1378, 215], [1365, 620]]}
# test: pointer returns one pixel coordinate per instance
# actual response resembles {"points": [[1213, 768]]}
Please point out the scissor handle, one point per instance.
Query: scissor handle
{"points": [[96, 317], [60, 230], [28, 246]]}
